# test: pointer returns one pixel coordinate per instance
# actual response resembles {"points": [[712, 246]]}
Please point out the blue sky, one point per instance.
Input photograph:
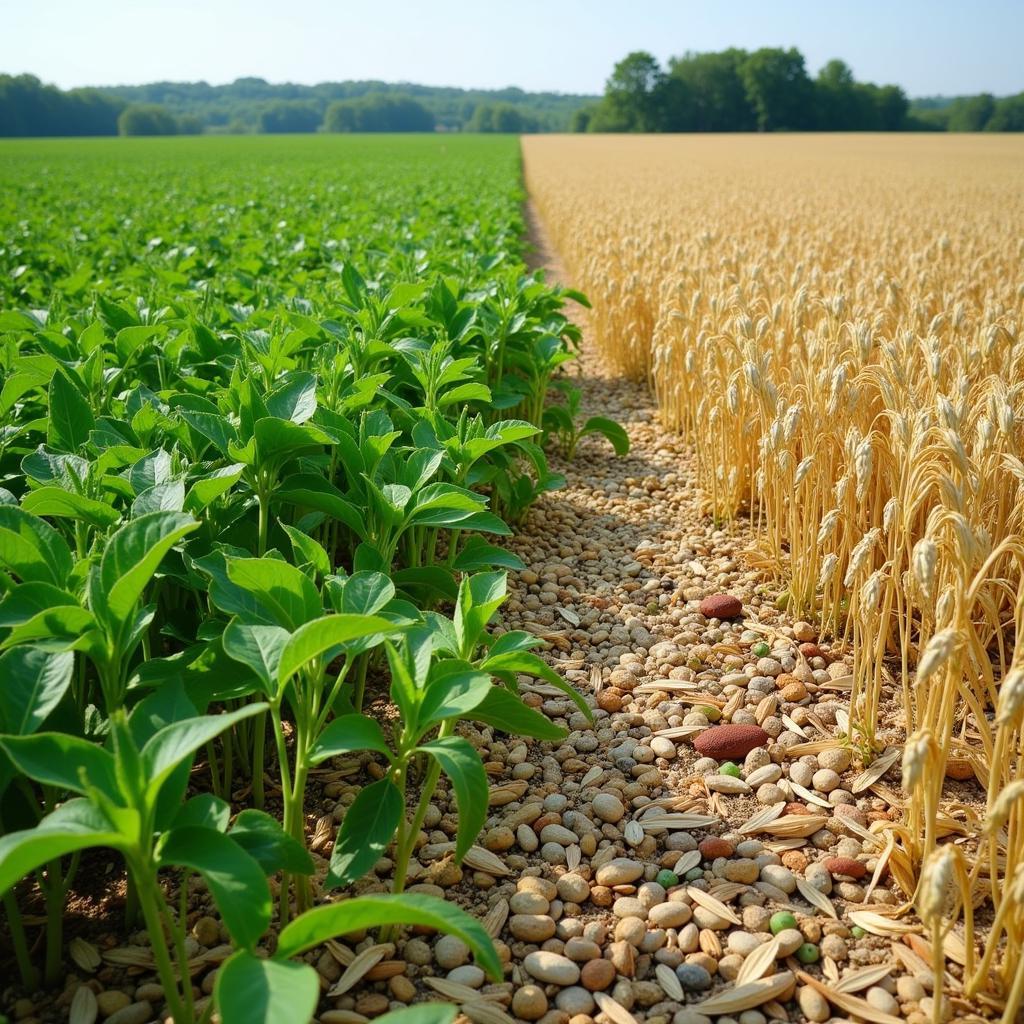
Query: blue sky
{"points": [[561, 45]]}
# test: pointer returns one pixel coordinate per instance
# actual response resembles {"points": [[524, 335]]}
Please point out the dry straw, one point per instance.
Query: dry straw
{"points": [[835, 325]]}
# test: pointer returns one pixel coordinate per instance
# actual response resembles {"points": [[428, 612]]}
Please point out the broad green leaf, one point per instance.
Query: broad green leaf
{"points": [[174, 743], [27, 600], [75, 825], [253, 990], [308, 490], [326, 634], [62, 504], [333, 919], [70, 418], [477, 554], [212, 486], [346, 734], [66, 762], [306, 549], [506, 712], [204, 811], [294, 400], [262, 837], [454, 689], [235, 880], [609, 429], [259, 648], [286, 595], [129, 560], [522, 663], [57, 629], [168, 496], [367, 830], [32, 683], [462, 764], [31, 549]]}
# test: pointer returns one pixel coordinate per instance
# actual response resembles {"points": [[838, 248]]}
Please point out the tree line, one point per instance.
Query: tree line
{"points": [[28, 107], [771, 90]]}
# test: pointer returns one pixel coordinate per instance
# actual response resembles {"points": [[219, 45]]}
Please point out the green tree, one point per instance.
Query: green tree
{"points": [[146, 119], [779, 89], [714, 97], [286, 116], [1008, 115], [378, 112], [971, 113], [633, 93], [501, 117]]}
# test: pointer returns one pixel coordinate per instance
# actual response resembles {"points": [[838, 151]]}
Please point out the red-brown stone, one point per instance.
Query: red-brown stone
{"points": [[728, 742], [721, 606], [845, 866]]}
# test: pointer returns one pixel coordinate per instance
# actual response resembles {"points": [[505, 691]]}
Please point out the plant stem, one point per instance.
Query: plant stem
{"points": [[54, 894], [27, 970], [149, 900], [259, 744]]}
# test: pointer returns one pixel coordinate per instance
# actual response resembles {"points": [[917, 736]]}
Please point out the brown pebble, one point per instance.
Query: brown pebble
{"points": [[794, 807], [724, 742], [846, 866], [372, 1004], [597, 975], [715, 846], [721, 606]]}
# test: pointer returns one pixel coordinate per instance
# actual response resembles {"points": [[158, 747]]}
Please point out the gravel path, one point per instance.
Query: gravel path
{"points": [[600, 903]]}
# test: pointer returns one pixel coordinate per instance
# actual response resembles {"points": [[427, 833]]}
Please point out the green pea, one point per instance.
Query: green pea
{"points": [[729, 768], [762, 650], [781, 921], [857, 932], [667, 879], [808, 953]]}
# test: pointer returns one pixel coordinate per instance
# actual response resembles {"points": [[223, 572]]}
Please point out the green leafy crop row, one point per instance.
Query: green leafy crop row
{"points": [[266, 407]]}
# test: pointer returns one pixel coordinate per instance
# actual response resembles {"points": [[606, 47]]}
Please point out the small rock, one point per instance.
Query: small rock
{"points": [[551, 968], [813, 1005], [451, 952], [529, 1002], [714, 847], [597, 975], [531, 927], [136, 1013], [111, 1001], [620, 871], [723, 742], [846, 866], [693, 977], [608, 807], [721, 606]]}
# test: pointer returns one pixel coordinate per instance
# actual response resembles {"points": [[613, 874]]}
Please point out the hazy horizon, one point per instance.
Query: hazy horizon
{"points": [[567, 47]]}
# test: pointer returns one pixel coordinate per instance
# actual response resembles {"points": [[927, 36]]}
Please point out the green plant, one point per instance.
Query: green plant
{"points": [[562, 420]]}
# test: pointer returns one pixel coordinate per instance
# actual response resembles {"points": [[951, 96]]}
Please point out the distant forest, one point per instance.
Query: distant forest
{"points": [[728, 91], [771, 90], [248, 105]]}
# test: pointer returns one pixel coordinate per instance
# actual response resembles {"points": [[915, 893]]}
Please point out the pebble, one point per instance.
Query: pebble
{"points": [[721, 606], [620, 871], [468, 974], [724, 742], [608, 807], [813, 1005], [531, 927], [136, 1013], [882, 1000], [573, 888], [597, 975], [693, 977], [112, 1000], [529, 1002], [450, 952], [551, 968]]}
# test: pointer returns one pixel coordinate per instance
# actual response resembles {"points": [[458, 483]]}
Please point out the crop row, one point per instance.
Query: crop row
{"points": [[262, 428]]}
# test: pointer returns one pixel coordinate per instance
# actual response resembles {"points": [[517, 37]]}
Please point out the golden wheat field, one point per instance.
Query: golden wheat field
{"points": [[834, 322]]}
